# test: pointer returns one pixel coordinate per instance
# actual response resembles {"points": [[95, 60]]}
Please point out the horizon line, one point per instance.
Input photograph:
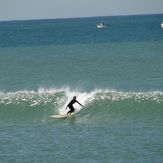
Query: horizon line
{"points": [[80, 17]]}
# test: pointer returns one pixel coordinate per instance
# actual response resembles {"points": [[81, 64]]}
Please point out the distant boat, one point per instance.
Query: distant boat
{"points": [[162, 25], [101, 25]]}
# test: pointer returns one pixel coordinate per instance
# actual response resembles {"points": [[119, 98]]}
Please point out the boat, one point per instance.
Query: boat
{"points": [[101, 25], [162, 25]]}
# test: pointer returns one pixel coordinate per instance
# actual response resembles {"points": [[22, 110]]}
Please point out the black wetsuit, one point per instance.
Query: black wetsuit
{"points": [[70, 105]]}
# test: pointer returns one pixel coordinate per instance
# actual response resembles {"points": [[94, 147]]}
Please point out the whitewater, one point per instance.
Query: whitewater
{"points": [[59, 98]]}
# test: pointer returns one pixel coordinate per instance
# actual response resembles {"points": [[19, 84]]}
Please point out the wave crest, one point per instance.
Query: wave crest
{"points": [[62, 96]]}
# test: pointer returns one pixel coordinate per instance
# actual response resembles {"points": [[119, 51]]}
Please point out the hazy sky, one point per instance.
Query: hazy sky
{"points": [[42, 9]]}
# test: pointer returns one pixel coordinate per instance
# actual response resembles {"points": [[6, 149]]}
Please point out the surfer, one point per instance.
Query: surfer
{"points": [[70, 105]]}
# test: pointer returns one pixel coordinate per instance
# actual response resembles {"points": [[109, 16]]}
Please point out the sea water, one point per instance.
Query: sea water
{"points": [[115, 72]]}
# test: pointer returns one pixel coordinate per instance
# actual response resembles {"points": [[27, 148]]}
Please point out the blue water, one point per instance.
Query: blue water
{"points": [[115, 72]]}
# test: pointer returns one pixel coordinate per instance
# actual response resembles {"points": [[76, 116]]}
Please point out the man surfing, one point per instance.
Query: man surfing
{"points": [[70, 105]]}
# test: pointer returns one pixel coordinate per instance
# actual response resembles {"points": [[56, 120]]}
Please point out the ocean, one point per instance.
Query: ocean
{"points": [[115, 72]]}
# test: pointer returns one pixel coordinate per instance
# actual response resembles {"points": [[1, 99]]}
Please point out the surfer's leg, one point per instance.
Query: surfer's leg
{"points": [[71, 110]]}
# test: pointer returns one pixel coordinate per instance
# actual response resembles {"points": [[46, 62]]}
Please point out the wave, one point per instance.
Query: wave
{"points": [[57, 99]]}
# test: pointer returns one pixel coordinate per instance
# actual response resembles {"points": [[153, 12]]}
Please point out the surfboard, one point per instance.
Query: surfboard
{"points": [[59, 116]]}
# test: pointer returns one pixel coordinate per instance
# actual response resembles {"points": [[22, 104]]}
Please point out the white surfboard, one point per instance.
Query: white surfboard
{"points": [[59, 116]]}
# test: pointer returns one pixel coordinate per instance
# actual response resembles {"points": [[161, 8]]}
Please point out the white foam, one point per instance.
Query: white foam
{"points": [[44, 96], [82, 97]]}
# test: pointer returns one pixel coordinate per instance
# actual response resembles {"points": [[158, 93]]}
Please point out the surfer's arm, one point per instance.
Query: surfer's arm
{"points": [[79, 103]]}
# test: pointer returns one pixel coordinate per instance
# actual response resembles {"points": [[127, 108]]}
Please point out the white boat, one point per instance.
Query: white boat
{"points": [[162, 25], [101, 25]]}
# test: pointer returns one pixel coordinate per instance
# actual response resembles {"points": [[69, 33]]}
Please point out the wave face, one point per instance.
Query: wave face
{"points": [[98, 104], [111, 121]]}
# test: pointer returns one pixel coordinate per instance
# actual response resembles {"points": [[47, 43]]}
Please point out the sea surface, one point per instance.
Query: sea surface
{"points": [[115, 72]]}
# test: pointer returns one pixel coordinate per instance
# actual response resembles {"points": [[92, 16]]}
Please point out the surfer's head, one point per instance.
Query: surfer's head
{"points": [[74, 97]]}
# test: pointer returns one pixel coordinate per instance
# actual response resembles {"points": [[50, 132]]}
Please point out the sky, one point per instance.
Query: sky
{"points": [[52, 9]]}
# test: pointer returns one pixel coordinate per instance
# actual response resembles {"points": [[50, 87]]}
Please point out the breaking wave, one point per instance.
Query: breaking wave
{"points": [[59, 98]]}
